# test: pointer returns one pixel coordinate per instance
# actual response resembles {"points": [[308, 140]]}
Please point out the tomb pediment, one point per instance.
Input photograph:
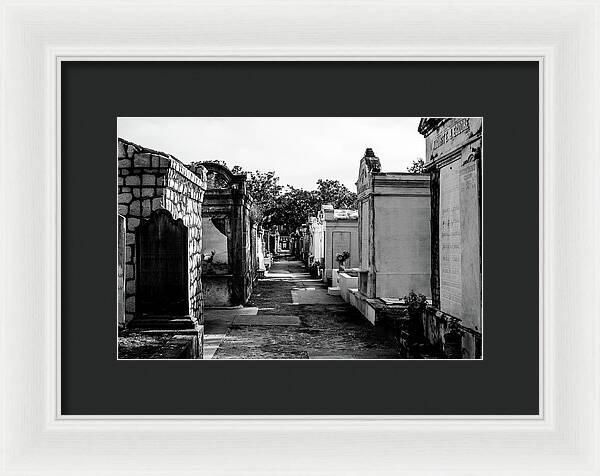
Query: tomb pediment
{"points": [[369, 165]]}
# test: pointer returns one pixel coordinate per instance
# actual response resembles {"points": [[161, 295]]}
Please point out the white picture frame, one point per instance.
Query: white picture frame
{"points": [[561, 35]]}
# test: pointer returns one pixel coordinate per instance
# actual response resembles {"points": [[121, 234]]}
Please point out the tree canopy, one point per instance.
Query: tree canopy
{"points": [[290, 207]]}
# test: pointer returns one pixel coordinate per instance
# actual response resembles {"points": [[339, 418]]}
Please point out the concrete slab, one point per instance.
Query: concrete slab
{"points": [[317, 296], [266, 320], [320, 356], [334, 291], [210, 313], [211, 344]]}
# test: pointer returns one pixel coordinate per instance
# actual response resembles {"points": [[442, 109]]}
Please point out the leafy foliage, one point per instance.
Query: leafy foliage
{"points": [[266, 192], [417, 166], [416, 303], [290, 207], [343, 256], [294, 207], [336, 193]]}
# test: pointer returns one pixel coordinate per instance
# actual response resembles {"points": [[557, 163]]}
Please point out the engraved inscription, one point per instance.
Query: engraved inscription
{"points": [[450, 237], [450, 133]]}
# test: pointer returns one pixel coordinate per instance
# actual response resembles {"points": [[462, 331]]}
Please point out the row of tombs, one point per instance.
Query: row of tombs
{"points": [[186, 239], [412, 232]]}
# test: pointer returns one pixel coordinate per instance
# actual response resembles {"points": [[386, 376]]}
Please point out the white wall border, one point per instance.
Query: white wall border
{"points": [[37, 35]]}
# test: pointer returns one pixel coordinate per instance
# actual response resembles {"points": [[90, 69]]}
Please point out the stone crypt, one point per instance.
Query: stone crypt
{"points": [[453, 158], [229, 262], [393, 236], [160, 241]]}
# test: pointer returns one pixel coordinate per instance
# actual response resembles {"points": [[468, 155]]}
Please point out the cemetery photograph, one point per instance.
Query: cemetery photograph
{"points": [[299, 238]]}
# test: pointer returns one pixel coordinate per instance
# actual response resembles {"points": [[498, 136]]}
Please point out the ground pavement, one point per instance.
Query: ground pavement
{"points": [[291, 316]]}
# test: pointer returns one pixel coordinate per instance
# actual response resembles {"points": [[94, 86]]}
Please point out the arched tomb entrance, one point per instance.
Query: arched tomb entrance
{"points": [[162, 266]]}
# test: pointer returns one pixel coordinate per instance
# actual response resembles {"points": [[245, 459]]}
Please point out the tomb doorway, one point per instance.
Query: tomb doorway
{"points": [[162, 266]]}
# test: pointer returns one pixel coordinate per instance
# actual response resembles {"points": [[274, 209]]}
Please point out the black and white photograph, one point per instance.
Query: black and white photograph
{"points": [[299, 238]]}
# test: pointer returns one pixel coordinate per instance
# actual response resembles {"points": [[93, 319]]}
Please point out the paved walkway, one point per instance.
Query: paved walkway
{"points": [[291, 316]]}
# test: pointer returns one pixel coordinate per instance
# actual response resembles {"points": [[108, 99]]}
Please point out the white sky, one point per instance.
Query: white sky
{"points": [[299, 149]]}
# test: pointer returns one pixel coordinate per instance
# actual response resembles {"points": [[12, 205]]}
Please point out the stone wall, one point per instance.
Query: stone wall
{"points": [[121, 227], [148, 181]]}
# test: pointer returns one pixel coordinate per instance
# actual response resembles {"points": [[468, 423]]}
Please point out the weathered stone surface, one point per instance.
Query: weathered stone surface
{"points": [[227, 275], [123, 210], [121, 270], [128, 253], [132, 223], [130, 286], [156, 203], [267, 320], [148, 192], [134, 208], [453, 156], [125, 197], [142, 160], [130, 304], [146, 207], [132, 180], [137, 192], [125, 163], [121, 150], [148, 179]]}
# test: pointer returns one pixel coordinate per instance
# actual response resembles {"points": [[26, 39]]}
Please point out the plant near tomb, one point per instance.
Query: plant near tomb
{"points": [[341, 258], [453, 339], [416, 304], [416, 167]]}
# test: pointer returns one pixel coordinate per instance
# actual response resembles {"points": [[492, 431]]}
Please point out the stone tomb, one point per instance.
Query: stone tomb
{"points": [[340, 232], [228, 266], [453, 158], [160, 200], [315, 242], [394, 235]]}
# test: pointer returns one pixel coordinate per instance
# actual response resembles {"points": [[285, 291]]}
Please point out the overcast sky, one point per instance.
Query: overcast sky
{"points": [[299, 149]]}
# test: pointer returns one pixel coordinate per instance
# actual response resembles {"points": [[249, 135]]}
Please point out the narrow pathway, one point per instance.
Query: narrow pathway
{"points": [[291, 316]]}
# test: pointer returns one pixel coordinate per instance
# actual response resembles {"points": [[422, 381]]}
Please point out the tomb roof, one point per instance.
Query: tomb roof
{"points": [[130, 149]]}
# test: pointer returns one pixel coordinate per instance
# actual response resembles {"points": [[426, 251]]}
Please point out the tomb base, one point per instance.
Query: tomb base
{"points": [[185, 335]]}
